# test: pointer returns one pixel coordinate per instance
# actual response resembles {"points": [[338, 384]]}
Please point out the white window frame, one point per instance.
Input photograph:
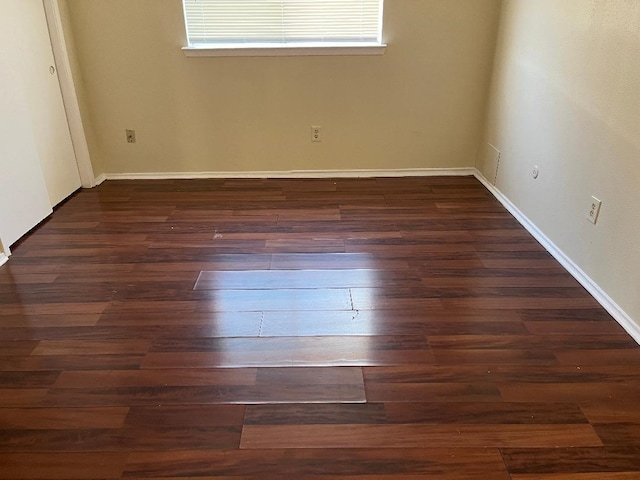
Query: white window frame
{"points": [[284, 49]]}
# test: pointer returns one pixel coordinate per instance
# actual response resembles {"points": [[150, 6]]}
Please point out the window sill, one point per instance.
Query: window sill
{"points": [[238, 50]]}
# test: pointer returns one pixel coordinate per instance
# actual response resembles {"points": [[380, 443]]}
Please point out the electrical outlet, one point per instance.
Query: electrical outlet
{"points": [[131, 136], [316, 134], [594, 210]]}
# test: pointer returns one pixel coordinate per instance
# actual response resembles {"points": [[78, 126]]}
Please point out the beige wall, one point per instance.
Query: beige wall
{"points": [[419, 105], [566, 96], [83, 101]]}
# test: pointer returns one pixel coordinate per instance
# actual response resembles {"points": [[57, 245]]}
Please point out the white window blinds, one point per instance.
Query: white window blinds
{"points": [[277, 22]]}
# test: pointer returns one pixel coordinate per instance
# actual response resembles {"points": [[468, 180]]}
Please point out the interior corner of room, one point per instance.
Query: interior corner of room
{"points": [[540, 97]]}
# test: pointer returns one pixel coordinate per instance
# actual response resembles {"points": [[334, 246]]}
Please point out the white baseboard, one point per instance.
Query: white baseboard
{"points": [[408, 172], [3, 259], [100, 179], [625, 321]]}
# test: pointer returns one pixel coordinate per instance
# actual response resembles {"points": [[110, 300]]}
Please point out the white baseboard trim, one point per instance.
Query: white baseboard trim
{"points": [[3, 259], [408, 172], [99, 179], [625, 321]]}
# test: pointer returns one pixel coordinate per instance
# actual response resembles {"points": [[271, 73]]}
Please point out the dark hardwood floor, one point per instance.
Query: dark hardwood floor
{"points": [[369, 329]]}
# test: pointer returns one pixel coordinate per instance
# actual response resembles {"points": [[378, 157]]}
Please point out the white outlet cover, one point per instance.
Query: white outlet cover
{"points": [[594, 210], [316, 133]]}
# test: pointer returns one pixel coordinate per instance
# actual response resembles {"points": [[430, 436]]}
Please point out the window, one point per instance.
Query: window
{"points": [[283, 27]]}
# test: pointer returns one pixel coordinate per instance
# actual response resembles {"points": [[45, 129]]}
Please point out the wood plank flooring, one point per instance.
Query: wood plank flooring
{"points": [[354, 329]]}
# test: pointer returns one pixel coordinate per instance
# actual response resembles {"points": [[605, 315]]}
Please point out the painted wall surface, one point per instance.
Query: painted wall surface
{"points": [[76, 72], [565, 96], [419, 105], [24, 199]]}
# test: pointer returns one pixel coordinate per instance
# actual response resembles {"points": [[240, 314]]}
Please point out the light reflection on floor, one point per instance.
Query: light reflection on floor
{"points": [[295, 303]]}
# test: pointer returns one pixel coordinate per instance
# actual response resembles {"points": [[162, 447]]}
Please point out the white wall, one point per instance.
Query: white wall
{"points": [[24, 199], [419, 105], [566, 96], [4, 253]]}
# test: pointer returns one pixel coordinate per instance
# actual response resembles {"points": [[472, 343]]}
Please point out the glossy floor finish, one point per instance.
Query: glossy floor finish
{"points": [[370, 329]]}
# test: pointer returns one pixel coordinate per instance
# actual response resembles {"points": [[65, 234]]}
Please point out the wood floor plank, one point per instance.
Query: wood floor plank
{"points": [[574, 328], [70, 362], [335, 357], [28, 379], [501, 374], [281, 299], [295, 376], [392, 299], [146, 328], [571, 392], [91, 347], [335, 261], [231, 261], [299, 279], [288, 352], [384, 322], [546, 281], [567, 314], [622, 434], [53, 308], [147, 378], [206, 324], [62, 418], [138, 438], [214, 394], [41, 321], [474, 464], [186, 415], [533, 341], [63, 466], [483, 413], [610, 411], [414, 436], [567, 461], [439, 392], [316, 414], [324, 323], [22, 397], [518, 303], [494, 356], [24, 347], [33, 278], [613, 356]]}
